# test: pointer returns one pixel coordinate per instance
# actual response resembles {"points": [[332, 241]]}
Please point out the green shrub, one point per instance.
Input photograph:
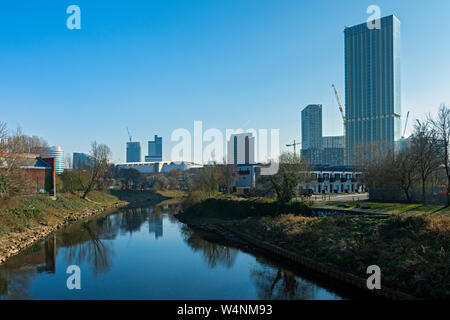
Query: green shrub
{"points": [[237, 209], [4, 184]]}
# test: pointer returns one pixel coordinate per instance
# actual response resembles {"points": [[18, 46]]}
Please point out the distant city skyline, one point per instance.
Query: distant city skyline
{"points": [[167, 65]]}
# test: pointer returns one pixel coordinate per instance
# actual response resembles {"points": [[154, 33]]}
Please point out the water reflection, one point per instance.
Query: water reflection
{"points": [[274, 284], [97, 253], [16, 277], [213, 253], [104, 248]]}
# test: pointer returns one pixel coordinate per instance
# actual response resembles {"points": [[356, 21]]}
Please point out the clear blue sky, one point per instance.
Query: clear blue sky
{"points": [[155, 66]]}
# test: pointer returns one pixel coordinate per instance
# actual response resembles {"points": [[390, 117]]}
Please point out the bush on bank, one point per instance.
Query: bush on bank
{"points": [[222, 208]]}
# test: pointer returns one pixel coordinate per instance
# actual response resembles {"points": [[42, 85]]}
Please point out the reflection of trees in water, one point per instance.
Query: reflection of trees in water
{"points": [[17, 274], [170, 208], [213, 253], [82, 242], [273, 283], [133, 219], [15, 283], [3, 283], [93, 250]]}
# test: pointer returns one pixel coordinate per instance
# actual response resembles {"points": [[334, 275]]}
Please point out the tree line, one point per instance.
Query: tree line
{"points": [[421, 164]]}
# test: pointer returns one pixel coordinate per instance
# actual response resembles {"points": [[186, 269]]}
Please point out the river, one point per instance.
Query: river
{"points": [[146, 253]]}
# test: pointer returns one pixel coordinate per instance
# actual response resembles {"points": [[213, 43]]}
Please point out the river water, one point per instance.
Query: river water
{"points": [[146, 253]]}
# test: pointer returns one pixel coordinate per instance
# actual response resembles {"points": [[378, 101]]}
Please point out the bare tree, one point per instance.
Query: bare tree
{"points": [[378, 171], [100, 155], [426, 153], [405, 166], [68, 162], [14, 148], [441, 127], [19, 142], [292, 170], [3, 136]]}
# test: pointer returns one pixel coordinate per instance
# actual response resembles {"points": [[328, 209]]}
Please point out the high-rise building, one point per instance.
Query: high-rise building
{"points": [[133, 151], [57, 153], [312, 133], [241, 149], [372, 89], [154, 150], [319, 150], [333, 151], [80, 160], [312, 127]]}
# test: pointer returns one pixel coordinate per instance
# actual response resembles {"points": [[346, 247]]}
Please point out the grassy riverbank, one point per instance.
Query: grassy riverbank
{"points": [[390, 207], [27, 211], [22, 212], [27, 219], [411, 250]]}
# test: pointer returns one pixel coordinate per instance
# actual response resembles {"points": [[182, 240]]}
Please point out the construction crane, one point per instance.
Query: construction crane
{"points": [[129, 134], [406, 125], [344, 120], [294, 145]]}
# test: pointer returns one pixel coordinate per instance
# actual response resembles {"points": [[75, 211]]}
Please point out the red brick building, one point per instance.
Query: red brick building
{"points": [[39, 172]]}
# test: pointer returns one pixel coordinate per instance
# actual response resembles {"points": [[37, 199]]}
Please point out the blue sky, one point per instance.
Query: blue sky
{"points": [[156, 66]]}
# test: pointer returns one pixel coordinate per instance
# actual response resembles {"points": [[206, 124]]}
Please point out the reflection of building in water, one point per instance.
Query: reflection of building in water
{"points": [[44, 260], [14, 279], [155, 225]]}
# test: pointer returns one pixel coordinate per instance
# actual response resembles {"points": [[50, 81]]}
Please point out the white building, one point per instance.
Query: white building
{"points": [[241, 149], [158, 167], [334, 180]]}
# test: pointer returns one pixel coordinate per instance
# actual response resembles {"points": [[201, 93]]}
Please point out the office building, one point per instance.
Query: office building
{"points": [[57, 153], [319, 150], [312, 127], [333, 151], [133, 151], [80, 161], [154, 150], [241, 149], [312, 133], [372, 89]]}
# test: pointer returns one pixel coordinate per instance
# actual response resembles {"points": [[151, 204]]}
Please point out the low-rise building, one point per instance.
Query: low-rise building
{"points": [[39, 173], [245, 175], [158, 166], [334, 180]]}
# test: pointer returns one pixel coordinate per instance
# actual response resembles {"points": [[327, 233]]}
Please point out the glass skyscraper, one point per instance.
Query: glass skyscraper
{"points": [[312, 133], [154, 150], [81, 161], [319, 150], [133, 151], [372, 89]]}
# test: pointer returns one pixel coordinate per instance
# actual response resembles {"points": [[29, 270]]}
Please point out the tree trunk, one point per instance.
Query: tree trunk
{"points": [[408, 198], [424, 200]]}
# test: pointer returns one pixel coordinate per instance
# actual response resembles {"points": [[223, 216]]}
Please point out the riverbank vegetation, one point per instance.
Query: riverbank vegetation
{"points": [[419, 172], [412, 251], [27, 211], [229, 208], [390, 207]]}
